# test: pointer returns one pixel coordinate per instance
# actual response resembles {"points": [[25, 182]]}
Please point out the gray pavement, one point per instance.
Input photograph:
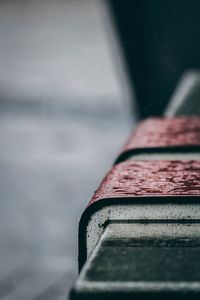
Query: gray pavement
{"points": [[64, 114]]}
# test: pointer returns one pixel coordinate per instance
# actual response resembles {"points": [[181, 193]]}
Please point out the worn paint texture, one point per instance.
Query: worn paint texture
{"points": [[150, 178], [165, 132]]}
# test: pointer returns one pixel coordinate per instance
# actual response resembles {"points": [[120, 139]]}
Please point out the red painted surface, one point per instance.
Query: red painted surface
{"points": [[165, 132], [150, 178]]}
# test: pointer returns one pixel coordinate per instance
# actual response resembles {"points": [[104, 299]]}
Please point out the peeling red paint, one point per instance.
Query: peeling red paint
{"points": [[150, 178], [165, 132]]}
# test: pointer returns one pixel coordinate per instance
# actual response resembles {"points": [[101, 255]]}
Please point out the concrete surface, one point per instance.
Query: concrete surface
{"points": [[143, 261], [64, 114]]}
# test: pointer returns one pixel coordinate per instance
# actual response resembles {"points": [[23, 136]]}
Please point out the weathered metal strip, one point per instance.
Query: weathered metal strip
{"points": [[131, 184], [177, 134], [150, 178]]}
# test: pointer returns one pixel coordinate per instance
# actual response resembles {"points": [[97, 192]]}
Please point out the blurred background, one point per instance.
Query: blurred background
{"points": [[64, 114]]}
